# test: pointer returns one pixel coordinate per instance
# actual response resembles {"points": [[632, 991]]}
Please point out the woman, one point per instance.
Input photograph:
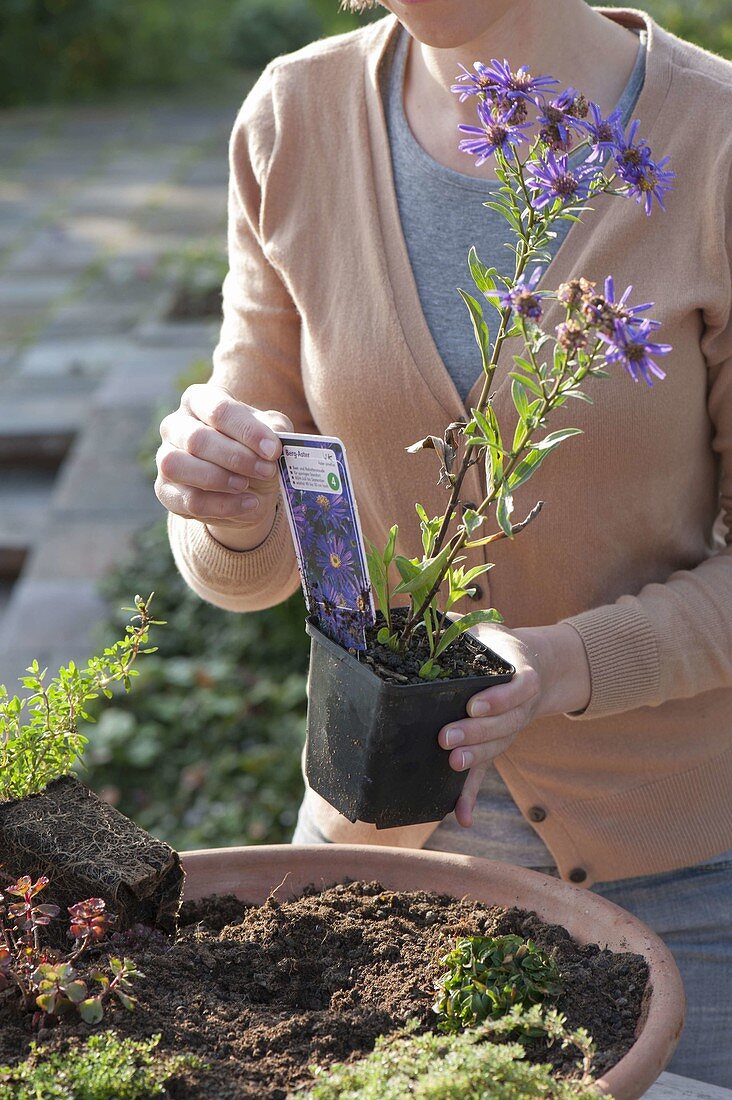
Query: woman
{"points": [[608, 758]]}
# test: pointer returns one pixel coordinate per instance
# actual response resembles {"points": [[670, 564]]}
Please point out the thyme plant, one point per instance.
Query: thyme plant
{"points": [[39, 734], [551, 368]]}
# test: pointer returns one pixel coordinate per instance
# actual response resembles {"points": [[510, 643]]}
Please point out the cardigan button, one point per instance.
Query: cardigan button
{"points": [[537, 813], [577, 874]]}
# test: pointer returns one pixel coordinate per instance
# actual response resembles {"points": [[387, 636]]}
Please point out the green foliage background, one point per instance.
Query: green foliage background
{"points": [[64, 49]]}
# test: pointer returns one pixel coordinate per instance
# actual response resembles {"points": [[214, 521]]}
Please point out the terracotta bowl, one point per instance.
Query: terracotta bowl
{"points": [[252, 873]]}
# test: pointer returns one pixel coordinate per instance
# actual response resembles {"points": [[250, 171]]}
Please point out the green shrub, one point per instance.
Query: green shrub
{"points": [[75, 49], [464, 1066], [206, 751], [61, 49], [706, 22], [262, 29], [488, 975], [104, 1068]]}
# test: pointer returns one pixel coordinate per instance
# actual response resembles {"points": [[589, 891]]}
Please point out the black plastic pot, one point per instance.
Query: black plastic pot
{"points": [[372, 749]]}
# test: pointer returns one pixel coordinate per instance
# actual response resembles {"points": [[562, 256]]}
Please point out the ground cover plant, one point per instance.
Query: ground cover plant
{"points": [[104, 1067], [49, 982], [469, 1066]]}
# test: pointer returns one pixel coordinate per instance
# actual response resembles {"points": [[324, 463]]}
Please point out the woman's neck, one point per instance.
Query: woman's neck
{"points": [[563, 38]]}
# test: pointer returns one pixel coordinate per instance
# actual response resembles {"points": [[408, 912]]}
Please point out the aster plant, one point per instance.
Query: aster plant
{"points": [[527, 127]]}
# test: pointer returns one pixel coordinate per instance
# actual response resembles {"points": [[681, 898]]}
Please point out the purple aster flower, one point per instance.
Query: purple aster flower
{"points": [[336, 561], [493, 134], [478, 83], [522, 297], [518, 85], [630, 345], [560, 119], [332, 508], [604, 134], [304, 517], [643, 177], [602, 311], [554, 179]]}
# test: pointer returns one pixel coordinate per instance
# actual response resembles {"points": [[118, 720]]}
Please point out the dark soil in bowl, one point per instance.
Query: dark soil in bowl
{"points": [[262, 992], [465, 657]]}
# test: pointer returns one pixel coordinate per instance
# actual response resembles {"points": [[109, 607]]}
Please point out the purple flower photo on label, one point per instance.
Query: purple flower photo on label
{"points": [[326, 532]]}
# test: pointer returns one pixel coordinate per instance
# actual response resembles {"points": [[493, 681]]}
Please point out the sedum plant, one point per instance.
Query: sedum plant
{"points": [[488, 975], [105, 1067], [551, 367], [48, 981], [39, 734], [478, 1064]]}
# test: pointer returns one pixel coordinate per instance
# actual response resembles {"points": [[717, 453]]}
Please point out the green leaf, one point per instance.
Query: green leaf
{"points": [[518, 395], [390, 545], [429, 670], [504, 510], [488, 424], [529, 465], [377, 575], [480, 328], [477, 571], [91, 1010], [383, 635], [482, 275], [125, 1000], [525, 469], [47, 1001], [75, 991], [553, 439], [409, 568], [465, 623], [424, 577], [527, 380], [472, 520]]}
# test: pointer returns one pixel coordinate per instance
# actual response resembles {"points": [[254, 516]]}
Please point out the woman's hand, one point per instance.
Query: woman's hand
{"points": [[552, 677], [217, 464]]}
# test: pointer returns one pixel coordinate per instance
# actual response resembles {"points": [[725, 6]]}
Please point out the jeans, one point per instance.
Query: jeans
{"points": [[691, 910]]}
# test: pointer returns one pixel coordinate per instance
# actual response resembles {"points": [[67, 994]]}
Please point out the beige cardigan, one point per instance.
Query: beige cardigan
{"points": [[322, 320]]}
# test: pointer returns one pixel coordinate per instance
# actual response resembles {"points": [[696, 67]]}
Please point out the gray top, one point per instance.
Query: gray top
{"points": [[442, 216]]}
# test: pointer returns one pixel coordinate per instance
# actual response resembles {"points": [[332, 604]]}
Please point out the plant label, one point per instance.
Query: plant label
{"points": [[326, 531]]}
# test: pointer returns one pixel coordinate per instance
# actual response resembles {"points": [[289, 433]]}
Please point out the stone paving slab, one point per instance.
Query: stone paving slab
{"points": [[90, 200], [147, 375], [102, 476], [46, 617], [79, 547], [670, 1086], [37, 420], [26, 496]]}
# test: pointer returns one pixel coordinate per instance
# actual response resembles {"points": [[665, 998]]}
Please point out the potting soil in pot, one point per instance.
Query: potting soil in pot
{"points": [[261, 993], [465, 657]]}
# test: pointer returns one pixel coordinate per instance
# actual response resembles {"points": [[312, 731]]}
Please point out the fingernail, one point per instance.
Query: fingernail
{"points": [[238, 484], [267, 447], [454, 736], [248, 504], [467, 759], [479, 708], [264, 469]]}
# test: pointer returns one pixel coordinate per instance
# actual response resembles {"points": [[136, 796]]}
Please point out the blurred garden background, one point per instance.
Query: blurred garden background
{"points": [[114, 121]]}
